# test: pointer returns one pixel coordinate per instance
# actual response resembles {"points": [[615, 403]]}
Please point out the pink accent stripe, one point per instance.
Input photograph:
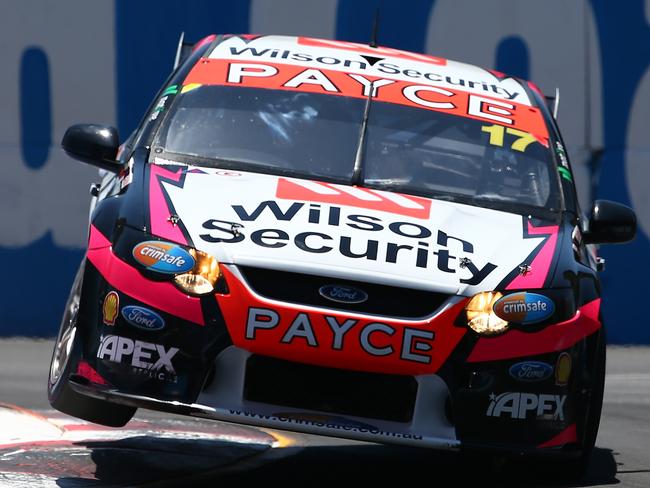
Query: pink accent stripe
{"points": [[204, 41], [96, 239], [158, 208], [542, 262], [533, 86], [161, 295], [556, 337], [87, 371], [567, 436]]}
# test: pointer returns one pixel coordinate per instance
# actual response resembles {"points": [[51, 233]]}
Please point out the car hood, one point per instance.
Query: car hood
{"points": [[341, 231]]}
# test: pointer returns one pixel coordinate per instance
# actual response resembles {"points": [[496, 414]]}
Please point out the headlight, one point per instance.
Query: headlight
{"points": [[480, 316], [202, 278]]}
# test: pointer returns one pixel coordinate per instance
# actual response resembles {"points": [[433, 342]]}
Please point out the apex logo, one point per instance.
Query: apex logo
{"points": [[137, 353], [517, 405]]}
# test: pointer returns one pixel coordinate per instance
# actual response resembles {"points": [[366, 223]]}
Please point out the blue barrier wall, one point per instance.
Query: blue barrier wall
{"points": [[624, 37], [103, 63]]}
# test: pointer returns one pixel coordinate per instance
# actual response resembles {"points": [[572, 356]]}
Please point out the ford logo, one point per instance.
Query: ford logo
{"points": [[531, 371], [143, 318], [524, 307], [343, 294]]}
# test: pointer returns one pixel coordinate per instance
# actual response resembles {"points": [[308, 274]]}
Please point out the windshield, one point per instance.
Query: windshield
{"points": [[302, 133], [405, 149]]}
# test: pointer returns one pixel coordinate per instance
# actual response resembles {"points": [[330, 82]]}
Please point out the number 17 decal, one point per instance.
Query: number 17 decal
{"points": [[497, 132]]}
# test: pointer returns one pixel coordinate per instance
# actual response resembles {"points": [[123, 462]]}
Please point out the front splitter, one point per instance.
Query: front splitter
{"points": [[347, 430]]}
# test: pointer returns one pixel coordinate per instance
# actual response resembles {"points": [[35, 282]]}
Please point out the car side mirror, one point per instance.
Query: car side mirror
{"points": [[610, 222], [93, 144]]}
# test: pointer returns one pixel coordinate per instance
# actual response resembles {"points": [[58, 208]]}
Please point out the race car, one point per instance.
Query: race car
{"points": [[341, 239]]}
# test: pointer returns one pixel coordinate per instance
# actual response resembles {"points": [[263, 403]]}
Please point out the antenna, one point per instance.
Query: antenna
{"points": [[179, 50], [375, 29]]}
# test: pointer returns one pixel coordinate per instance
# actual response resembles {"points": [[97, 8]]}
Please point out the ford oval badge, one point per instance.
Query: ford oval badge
{"points": [[531, 371], [343, 294], [143, 318]]}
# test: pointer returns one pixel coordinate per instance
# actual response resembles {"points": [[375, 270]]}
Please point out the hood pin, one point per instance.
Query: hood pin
{"points": [[173, 219], [524, 269]]}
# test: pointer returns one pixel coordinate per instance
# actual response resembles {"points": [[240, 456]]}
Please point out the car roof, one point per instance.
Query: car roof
{"points": [[349, 69], [374, 61]]}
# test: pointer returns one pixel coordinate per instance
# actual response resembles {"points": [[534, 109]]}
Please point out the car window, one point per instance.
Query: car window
{"points": [[405, 149], [303, 132], [426, 150]]}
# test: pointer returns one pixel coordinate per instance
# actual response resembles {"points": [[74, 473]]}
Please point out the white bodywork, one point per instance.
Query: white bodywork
{"points": [[349, 232]]}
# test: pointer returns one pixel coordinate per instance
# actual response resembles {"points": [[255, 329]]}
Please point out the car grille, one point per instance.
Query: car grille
{"points": [[336, 391], [390, 301]]}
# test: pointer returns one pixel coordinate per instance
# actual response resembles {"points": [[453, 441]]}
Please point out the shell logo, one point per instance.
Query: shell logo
{"points": [[110, 307], [563, 369]]}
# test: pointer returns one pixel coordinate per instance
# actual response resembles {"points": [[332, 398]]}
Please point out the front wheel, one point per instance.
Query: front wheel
{"points": [[65, 358], [573, 470]]}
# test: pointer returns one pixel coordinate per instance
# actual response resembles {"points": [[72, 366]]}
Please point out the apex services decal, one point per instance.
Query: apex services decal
{"points": [[144, 358], [518, 406]]}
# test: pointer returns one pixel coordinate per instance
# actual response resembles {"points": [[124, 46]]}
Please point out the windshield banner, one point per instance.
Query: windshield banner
{"points": [[278, 76]]}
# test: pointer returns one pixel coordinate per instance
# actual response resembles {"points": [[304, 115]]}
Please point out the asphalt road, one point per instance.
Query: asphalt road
{"points": [[40, 448]]}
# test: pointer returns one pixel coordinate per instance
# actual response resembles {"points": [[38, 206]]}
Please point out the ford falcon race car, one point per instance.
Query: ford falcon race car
{"points": [[345, 240]]}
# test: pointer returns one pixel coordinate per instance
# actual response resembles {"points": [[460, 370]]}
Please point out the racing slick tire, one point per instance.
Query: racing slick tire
{"points": [[65, 358], [573, 470]]}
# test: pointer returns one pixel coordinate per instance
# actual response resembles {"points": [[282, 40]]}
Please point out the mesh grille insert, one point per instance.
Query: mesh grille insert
{"points": [[390, 301], [337, 391]]}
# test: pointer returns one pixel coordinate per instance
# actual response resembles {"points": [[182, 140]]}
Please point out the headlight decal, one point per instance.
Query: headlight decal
{"points": [[163, 257], [524, 307], [124, 277]]}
